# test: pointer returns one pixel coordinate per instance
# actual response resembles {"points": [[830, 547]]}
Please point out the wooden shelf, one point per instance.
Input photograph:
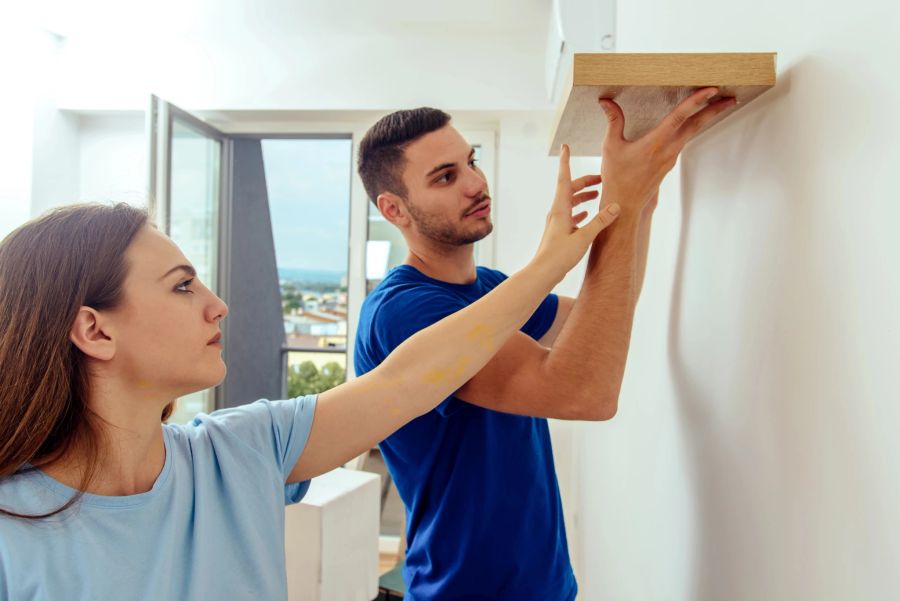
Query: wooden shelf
{"points": [[647, 87]]}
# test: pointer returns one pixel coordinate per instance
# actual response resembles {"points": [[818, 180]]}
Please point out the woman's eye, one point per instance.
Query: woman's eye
{"points": [[183, 286], [473, 163]]}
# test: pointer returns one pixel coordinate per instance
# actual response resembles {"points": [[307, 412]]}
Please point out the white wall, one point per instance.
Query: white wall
{"points": [[113, 159], [755, 454], [24, 52]]}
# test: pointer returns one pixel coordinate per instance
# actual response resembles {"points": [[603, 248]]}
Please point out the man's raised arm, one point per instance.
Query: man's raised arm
{"points": [[579, 377]]}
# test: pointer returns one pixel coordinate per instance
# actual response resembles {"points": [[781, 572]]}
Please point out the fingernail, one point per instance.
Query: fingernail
{"points": [[613, 209], [711, 93]]}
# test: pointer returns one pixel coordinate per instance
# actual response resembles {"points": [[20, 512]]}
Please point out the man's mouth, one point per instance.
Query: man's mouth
{"points": [[482, 209]]}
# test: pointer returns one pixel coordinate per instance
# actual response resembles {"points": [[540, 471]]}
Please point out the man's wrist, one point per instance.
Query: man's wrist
{"points": [[630, 215]]}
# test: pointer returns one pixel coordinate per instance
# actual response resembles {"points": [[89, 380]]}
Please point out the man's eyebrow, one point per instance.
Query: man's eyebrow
{"points": [[443, 166], [440, 167], [189, 269]]}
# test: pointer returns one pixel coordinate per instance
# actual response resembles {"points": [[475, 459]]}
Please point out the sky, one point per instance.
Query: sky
{"points": [[308, 183]]}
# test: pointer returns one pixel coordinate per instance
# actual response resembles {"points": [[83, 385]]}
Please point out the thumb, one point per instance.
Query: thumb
{"points": [[601, 221], [615, 120]]}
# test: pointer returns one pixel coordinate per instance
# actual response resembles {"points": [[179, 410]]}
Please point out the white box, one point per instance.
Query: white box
{"points": [[331, 538]]}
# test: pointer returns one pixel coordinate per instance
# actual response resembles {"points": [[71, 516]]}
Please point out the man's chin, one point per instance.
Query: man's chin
{"points": [[483, 233]]}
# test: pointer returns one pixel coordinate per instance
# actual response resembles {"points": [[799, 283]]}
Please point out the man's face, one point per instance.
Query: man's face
{"points": [[447, 198]]}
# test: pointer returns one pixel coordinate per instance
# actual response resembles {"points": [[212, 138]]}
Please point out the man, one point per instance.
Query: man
{"points": [[484, 518]]}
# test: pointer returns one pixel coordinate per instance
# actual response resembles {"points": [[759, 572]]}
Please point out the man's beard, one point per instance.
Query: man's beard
{"points": [[441, 229]]}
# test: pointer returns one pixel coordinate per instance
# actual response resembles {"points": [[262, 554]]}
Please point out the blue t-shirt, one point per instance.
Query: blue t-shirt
{"points": [[484, 518], [212, 526]]}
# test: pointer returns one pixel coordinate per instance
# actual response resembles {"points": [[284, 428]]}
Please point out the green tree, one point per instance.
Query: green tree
{"points": [[332, 375], [306, 378]]}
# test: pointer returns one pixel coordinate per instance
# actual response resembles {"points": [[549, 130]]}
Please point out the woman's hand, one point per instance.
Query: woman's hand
{"points": [[564, 242]]}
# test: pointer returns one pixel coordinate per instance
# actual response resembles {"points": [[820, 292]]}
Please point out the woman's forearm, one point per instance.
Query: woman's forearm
{"points": [[436, 361]]}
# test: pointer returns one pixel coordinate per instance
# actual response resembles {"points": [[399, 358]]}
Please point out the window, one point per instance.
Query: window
{"points": [[308, 184], [193, 210]]}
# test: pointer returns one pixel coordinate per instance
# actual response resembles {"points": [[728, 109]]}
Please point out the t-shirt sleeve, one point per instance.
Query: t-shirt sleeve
{"points": [[541, 320], [277, 430]]}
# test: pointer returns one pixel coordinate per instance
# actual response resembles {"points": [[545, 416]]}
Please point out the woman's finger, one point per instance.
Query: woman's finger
{"points": [[562, 200], [601, 221], [584, 197], [585, 181]]}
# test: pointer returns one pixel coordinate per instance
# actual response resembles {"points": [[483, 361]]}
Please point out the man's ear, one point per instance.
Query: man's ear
{"points": [[393, 209], [87, 333]]}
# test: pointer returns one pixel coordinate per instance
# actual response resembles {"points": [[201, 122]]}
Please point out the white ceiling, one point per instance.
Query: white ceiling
{"points": [[280, 17], [300, 54]]}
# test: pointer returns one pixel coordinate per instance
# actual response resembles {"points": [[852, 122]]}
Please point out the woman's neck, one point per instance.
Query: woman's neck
{"points": [[131, 450]]}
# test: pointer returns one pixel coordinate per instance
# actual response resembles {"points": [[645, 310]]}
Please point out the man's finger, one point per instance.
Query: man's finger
{"points": [[580, 217], [695, 124], [671, 125], [615, 121]]}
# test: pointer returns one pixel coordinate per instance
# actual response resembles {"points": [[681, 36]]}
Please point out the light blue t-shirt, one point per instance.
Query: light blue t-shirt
{"points": [[212, 526]]}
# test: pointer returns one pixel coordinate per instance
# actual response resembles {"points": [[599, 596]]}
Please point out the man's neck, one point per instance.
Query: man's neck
{"points": [[451, 264]]}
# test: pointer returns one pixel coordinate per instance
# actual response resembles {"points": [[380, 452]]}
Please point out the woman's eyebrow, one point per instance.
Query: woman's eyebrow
{"points": [[186, 268]]}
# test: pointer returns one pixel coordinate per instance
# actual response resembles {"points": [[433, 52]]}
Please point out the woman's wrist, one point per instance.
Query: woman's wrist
{"points": [[545, 270]]}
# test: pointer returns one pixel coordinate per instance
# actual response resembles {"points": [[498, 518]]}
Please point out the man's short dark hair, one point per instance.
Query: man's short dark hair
{"points": [[380, 163]]}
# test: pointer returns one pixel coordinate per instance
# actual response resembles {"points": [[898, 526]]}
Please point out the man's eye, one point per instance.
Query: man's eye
{"points": [[473, 163], [447, 177], [183, 286]]}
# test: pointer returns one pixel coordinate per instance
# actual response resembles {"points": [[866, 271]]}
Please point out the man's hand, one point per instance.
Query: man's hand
{"points": [[632, 171]]}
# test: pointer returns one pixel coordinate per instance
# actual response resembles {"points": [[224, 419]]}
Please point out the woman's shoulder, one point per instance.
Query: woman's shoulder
{"points": [[25, 492], [262, 425]]}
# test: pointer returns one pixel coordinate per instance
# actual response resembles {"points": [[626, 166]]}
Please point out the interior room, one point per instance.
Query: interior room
{"points": [[754, 452]]}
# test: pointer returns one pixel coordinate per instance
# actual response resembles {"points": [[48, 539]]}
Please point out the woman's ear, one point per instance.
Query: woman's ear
{"points": [[87, 333], [391, 206]]}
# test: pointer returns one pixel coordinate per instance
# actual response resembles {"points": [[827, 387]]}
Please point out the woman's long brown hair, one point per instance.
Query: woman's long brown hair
{"points": [[49, 268]]}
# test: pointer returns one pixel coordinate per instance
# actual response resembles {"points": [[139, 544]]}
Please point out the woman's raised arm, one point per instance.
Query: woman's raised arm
{"points": [[433, 363]]}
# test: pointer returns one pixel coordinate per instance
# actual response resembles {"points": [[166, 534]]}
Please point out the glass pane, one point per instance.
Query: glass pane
{"points": [[194, 223], [385, 246], [308, 182], [194, 205]]}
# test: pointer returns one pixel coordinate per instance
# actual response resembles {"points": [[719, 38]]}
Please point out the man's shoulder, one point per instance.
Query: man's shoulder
{"points": [[491, 277], [403, 285]]}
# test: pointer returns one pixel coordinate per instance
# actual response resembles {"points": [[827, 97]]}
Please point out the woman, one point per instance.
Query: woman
{"points": [[104, 324]]}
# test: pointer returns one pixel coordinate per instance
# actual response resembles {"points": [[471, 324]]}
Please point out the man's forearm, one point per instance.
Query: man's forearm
{"points": [[643, 248], [588, 358]]}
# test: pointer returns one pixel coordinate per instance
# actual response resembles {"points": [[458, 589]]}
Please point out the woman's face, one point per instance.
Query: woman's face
{"points": [[167, 327]]}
